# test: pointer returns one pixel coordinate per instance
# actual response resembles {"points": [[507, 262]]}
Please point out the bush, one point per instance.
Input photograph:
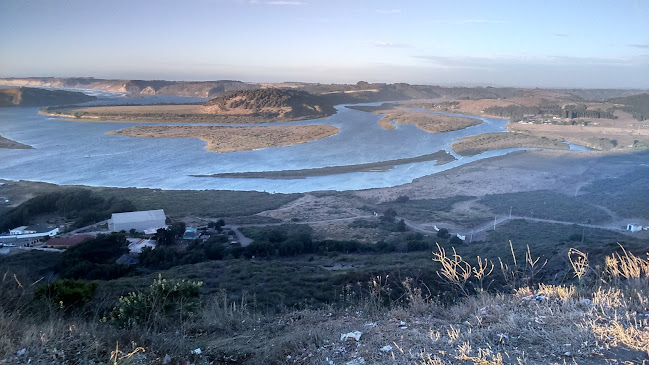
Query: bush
{"points": [[443, 233], [67, 294], [158, 306], [455, 240]]}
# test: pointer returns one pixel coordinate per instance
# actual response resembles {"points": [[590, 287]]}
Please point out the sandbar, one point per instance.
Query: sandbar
{"points": [[9, 144], [441, 157], [428, 122], [235, 139], [473, 145]]}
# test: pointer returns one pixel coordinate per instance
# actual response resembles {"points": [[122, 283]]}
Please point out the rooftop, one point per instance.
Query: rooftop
{"points": [[139, 216], [67, 241]]}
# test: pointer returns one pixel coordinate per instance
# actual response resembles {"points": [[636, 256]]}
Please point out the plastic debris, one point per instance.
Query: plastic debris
{"points": [[356, 335], [359, 361], [371, 324], [166, 360], [21, 352], [198, 351], [386, 348]]}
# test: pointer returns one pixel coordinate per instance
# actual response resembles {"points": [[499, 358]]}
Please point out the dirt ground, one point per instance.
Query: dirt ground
{"points": [[564, 172]]}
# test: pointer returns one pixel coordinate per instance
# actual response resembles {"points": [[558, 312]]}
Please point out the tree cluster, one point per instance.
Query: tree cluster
{"points": [[94, 259], [81, 205]]}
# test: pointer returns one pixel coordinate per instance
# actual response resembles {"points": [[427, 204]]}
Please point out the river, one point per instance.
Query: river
{"points": [[80, 153]]}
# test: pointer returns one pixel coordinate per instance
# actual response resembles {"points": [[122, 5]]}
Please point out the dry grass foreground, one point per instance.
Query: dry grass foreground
{"points": [[429, 122], [474, 145], [235, 139], [7, 143], [601, 318]]}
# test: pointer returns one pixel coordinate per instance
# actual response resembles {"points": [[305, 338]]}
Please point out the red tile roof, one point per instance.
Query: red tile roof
{"points": [[67, 241]]}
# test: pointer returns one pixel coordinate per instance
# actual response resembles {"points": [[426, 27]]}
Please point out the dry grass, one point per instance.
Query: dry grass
{"points": [[474, 145], [588, 322], [429, 122], [233, 139]]}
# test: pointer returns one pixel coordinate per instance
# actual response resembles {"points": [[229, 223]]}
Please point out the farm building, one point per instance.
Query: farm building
{"points": [[38, 230], [140, 221], [191, 233]]}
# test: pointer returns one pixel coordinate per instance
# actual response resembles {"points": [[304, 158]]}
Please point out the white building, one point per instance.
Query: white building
{"points": [[18, 230], [140, 221], [633, 228]]}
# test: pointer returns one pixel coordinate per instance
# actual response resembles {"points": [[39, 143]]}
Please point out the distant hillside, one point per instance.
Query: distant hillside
{"points": [[27, 96], [363, 92], [271, 103], [201, 89], [637, 105]]}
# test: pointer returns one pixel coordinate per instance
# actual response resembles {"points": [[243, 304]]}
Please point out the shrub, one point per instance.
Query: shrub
{"points": [[158, 306], [443, 233], [67, 294]]}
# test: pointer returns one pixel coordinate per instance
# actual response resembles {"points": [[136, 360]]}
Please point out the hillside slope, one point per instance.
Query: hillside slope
{"points": [[271, 103], [27, 96]]}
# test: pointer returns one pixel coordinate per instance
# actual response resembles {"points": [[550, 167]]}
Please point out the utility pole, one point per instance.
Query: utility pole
{"points": [[510, 212], [494, 223], [471, 240]]}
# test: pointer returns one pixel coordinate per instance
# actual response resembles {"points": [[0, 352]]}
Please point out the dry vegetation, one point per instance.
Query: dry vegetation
{"points": [[233, 139], [429, 122], [474, 145], [601, 316]]}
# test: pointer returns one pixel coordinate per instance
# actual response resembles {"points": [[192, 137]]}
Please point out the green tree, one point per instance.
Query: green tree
{"points": [[401, 226], [443, 233]]}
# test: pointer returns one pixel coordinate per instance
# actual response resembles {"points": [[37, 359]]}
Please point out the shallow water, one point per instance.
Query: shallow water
{"points": [[69, 152]]}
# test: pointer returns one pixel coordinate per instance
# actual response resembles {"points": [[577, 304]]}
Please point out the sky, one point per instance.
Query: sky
{"points": [[566, 43]]}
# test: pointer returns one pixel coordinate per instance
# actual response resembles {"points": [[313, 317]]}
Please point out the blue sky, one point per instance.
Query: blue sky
{"points": [[508, 43]]}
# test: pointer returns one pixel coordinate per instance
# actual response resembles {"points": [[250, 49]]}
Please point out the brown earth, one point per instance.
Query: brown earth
{"points": [[233, 139], [474, 145], [431, 123]]}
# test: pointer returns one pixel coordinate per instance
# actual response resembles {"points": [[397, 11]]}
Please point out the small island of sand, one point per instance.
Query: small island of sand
{"points": [[474, 145], [235, 139], [428, 122]]}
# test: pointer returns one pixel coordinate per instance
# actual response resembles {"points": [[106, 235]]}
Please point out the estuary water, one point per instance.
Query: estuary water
{"points": [[80, 153]]}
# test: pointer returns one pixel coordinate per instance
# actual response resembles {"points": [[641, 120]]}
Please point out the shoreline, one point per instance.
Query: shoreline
{"points": [[441, 157]]}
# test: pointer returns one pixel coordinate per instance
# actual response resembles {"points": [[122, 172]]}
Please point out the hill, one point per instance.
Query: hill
{"points": [[271, 103], [636, 105], [27, 96], [199, 89]]}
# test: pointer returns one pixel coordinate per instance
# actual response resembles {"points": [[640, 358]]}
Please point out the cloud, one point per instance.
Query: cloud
{"points": [[457, 62], [285, 3], [560, 35], [388, 11], [643, 46], [490, 63], [385, 44]]}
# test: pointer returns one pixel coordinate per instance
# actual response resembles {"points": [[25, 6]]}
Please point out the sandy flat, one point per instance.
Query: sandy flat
{"points": [[428, 122], [233, 139], [441, 157], [474, 145]]}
